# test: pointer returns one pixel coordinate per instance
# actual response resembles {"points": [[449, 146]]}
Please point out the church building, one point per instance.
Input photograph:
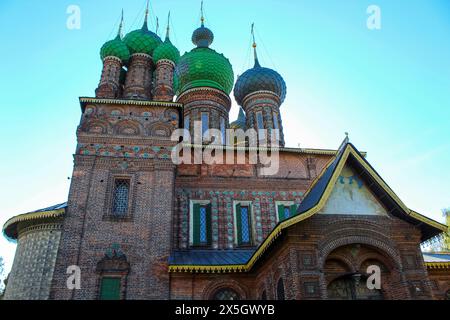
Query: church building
{"points": [[136, 225]]}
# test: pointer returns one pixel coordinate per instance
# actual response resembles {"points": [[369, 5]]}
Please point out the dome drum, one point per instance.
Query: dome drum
{"points": [[261, 97], [204, 96], [138, 83], [109, 86]]}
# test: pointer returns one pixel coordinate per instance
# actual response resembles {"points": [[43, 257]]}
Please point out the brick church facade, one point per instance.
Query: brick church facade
{"points": [[140, 226]]}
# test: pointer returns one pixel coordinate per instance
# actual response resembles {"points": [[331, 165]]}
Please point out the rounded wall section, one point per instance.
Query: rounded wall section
{"points": [[34, 262]]}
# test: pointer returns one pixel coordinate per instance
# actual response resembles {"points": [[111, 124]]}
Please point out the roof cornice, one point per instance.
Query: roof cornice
{"points": [[329, 152], [12, 222], [437, 265], [140, 103]]}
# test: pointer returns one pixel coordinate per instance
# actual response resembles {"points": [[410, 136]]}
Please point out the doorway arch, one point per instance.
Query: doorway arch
{"points": [[347, 270], [352, 287]]}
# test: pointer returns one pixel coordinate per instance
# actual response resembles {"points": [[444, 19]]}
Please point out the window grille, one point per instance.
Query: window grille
{"points": [[203, 225], [121, 195], [245, 225]]}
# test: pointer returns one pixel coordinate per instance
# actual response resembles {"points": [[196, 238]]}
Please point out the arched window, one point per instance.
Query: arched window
{"points": [[280, 290], [264, 295], [226, 294]]}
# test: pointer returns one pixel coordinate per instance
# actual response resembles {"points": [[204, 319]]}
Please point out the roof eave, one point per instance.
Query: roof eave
{"points": [[140, 103], [10, 226]]}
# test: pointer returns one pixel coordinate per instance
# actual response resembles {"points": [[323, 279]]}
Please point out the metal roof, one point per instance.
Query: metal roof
{"points": [[210, 257], [10, 226], [55, 207], [436, 256], [315, 192]]}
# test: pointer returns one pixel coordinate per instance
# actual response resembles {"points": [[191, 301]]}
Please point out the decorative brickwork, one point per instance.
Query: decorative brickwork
{"points": [[266, 105], [34, 262], [164, 80], [212, 102], [110, 86], [138, 84], [120, 142], [311, 255], [440, 282]]}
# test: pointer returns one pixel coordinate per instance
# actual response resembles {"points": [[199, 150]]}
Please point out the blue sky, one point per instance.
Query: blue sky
{"points": [[389, 88]]}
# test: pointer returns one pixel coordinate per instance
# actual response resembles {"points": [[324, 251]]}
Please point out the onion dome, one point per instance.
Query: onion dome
{"points": [[176, 83], [240, 122], [202, 37], [203, 66], [142, 40], [166, 50], [116, 47], [259, 79]]}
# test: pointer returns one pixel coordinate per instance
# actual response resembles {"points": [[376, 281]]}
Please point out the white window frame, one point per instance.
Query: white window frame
{"points": [[284, 203], [252, 221], [191, 218]]}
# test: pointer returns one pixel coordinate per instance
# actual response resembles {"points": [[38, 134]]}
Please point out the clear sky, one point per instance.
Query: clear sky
{"points": [[389, 88]]}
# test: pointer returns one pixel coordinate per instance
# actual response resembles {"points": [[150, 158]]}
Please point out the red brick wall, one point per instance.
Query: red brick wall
{"points": [[120, 141], [316, 251], [440, 282]]}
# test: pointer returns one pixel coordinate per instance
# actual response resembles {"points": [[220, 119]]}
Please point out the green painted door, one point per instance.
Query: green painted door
{"points": [[110, 289]]}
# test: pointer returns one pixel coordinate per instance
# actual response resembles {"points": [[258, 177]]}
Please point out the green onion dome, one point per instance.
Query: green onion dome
{"points": [[204, 67], [176, 83], [259, 79], [166, 50], [115, 48], [142, 40]]}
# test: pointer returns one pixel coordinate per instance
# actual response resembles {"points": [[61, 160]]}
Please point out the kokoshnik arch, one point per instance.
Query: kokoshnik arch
{"points": [[141, 227]]}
